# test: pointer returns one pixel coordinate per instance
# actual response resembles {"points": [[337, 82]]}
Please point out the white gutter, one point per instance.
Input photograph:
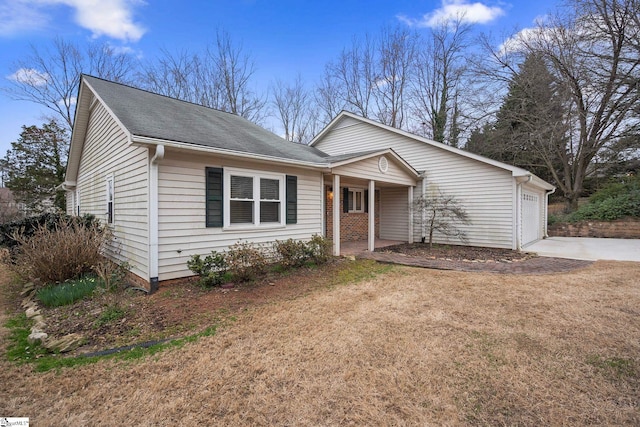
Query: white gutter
{"points": [[546, 211], [143, 140], [153, 218]]}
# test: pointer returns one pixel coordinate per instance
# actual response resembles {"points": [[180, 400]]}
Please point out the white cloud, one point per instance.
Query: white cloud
{"points": [[451, 10], [524, 37], [18, 16], [110, 18], [30, 76]]}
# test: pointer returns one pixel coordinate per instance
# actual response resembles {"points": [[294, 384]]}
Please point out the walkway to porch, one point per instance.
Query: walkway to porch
{"points": [[354, 248]]}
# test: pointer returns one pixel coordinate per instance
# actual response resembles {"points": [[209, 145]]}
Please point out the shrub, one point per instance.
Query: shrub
{"points": [[65, 251], [319, 249], [67, 292], [111, 273], [291, 253], [614, 201], [246, 261], [211, 269], [27, 227]]}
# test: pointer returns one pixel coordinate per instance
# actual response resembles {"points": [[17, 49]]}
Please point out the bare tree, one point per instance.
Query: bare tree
{"points": [[50, 76], [235, 70], [439, 69], [293, 109], [442, 213], [328, 97], [396, 51], [220, 78], [355, 74], [590, 49]]}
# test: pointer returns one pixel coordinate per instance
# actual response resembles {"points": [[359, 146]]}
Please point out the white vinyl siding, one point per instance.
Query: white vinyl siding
{"points": [[182, 230], [394, 214], [368, 169], [486, 191], [105, 153]]}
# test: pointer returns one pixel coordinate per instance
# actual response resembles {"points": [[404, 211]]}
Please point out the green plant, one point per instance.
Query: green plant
{"points": [[246, 261], [110, 314], [616, 200], [291, 253], [62, 252], [111, 273], [211, 269], [319, 249], [19, 349], [67, 292]]}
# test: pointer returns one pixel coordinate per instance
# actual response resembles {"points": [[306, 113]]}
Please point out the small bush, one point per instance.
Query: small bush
{"points": [[319, 249], [68, 292], [111, 273], [211, 269], [246, 261], [614, 201], [27, 227], [291, 253], [63, 252]]}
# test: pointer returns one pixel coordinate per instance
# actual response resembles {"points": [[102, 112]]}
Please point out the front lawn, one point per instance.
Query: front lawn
{"points": [[403, 347]]}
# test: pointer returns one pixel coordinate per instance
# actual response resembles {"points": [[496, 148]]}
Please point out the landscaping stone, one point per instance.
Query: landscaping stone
{"points": [[64, 344], [31, 312], [28, 289], [37, 337]]}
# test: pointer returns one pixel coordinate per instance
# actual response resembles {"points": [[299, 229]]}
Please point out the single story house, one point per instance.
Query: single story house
{"points": [[174, 179]]}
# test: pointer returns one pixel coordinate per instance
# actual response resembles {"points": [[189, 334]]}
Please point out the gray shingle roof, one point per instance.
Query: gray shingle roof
{"points": [[151, 115]]}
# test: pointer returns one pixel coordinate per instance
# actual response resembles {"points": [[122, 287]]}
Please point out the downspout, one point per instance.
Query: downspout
{"points": [[519, 181], [153, 218], [423, 213], [546, 211]]}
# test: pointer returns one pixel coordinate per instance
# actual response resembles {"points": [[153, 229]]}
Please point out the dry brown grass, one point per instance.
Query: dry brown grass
{"points": [[413, 347]]}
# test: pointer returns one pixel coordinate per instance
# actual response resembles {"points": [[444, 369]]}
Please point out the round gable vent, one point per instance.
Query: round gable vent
{"points": [[383, 164]]}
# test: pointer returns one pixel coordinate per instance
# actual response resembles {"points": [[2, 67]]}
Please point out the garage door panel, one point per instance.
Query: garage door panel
{"points": [[530, 217]]}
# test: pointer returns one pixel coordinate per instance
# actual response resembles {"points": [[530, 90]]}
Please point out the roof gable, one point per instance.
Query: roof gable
{"points": [[346, 118], [149, 115]]}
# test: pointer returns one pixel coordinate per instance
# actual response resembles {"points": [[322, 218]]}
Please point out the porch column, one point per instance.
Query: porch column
{"points": [[336, 215], [410, 204], [372, 216]]}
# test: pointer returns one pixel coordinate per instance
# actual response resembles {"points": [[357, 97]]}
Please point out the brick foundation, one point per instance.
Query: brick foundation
{"points": [[353, 226], [628, 228]]}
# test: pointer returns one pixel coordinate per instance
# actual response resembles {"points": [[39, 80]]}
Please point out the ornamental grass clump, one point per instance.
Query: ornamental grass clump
{"points": [[62, 252]]}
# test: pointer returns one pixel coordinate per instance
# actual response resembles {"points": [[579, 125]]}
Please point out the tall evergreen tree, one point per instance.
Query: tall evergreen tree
{"points": [[35, 165], [529, 131]]}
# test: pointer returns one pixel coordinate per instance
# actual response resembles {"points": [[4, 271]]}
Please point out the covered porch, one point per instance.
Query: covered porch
{"points": [[368, 202], [356, 247]]}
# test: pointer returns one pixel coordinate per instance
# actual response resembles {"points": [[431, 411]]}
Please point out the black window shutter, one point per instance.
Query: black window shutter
{"points": [[366, 200], [214, 198], [345, 200], [292, 199]]}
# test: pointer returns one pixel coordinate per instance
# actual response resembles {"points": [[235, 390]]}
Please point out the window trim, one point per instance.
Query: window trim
{"points": [[256, 175], [110, 213], [355, 190]]}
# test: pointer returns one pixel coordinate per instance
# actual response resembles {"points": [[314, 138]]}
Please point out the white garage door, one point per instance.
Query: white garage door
{"points": [[530, 217]]}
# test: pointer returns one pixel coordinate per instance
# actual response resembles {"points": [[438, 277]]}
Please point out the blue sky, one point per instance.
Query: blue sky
{"points": [[284, 37]]}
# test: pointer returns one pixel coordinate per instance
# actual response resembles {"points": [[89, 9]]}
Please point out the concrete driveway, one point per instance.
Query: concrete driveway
{"points": [[587, 248]]}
